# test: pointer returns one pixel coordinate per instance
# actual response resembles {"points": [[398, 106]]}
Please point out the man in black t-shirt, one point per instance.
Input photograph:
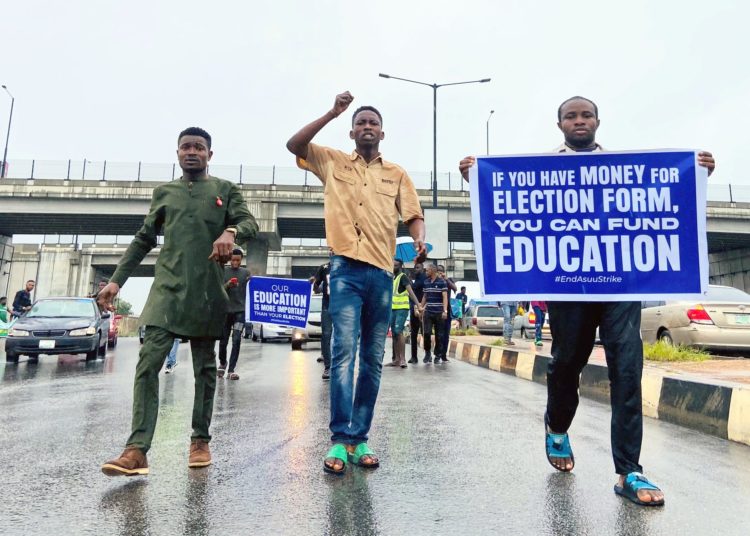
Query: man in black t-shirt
{"points": [[235, 283]]}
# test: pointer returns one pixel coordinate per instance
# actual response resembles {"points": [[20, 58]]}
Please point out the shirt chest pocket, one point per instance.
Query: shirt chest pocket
{"points": [[344, 178], [387, 187]]}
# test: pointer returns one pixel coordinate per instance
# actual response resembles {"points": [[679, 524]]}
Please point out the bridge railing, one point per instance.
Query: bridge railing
{"points": [[160, 172], [243, 174]]}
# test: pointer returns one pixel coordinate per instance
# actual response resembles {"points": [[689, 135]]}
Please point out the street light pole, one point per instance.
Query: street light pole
{"points": [[488, 130], [434, 121], [7, 137]]}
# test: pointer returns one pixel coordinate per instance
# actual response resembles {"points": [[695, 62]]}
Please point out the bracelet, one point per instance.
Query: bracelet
{"points": [[232, 230]]}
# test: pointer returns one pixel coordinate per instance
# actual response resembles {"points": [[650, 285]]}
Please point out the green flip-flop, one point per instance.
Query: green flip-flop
{"points": [[338, 452], [361, 451]]}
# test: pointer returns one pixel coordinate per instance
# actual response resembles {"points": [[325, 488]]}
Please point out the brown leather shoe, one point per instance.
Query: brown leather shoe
{"points": [[131, 462], [200, 455]]}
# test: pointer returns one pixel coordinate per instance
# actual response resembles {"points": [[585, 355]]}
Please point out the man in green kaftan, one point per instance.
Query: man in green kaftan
{"points": [[201, 217]]}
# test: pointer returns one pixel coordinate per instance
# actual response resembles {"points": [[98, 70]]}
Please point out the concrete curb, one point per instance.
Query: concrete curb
{"points": [[721, 410]]}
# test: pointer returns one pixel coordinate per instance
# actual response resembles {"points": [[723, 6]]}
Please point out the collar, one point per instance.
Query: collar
{"points": [[565, 148], [355, 155]]}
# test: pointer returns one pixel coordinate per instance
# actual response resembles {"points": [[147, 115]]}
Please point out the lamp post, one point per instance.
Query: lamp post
{"points": [[434, 121], [488, 130], [7, 137]]}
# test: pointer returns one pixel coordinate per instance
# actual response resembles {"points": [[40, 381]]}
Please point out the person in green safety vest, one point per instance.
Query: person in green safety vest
{"points": [[4, 316], [402, 292]]}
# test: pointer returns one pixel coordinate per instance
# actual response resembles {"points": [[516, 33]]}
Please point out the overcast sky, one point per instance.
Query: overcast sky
{"points": [[114, 80]]}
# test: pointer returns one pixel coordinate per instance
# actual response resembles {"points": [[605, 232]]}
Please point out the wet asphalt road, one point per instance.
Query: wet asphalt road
{"points": [[461, 451]]}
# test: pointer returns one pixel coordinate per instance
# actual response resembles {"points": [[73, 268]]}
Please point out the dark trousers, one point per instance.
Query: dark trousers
{"points": [[233, 324], [415, 325], [436, 321], [326, 328], [573, 326], [446, 334], [156, 345]]}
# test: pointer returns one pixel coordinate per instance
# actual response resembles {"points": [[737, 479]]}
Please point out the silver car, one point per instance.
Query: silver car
{"points": [[719, 321], [312, 331]]}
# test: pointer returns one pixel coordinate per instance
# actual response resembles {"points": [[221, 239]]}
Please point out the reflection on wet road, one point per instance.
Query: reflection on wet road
{"points": [[461, 451]]}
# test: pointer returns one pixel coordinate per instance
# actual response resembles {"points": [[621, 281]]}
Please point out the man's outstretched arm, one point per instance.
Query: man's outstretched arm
{"points": [[298, 143]]}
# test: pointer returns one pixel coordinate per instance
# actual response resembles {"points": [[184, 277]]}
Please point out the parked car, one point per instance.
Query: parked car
{"points": [[59, 326], [113, 329], [263, 331], [525, 326], [484, 318], [719, 321], [312, 331]]}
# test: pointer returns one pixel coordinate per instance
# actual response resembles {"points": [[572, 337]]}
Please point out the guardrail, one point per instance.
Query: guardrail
{"points": [[243, 174], [148, 171]]}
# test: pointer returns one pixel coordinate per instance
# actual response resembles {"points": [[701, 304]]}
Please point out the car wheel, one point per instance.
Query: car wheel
{"points": [[103, 349], [296, 345], [666, 337], [262, 338], [11, 358], [140, 339], [113, 343], [92, 355]]}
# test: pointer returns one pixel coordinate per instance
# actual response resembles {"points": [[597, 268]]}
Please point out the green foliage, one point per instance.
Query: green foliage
{"points": [[662, 351], [124, 308], [459, 332]]}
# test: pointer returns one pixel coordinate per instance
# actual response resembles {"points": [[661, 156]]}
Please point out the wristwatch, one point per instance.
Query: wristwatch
{"points": [[232, 230]]}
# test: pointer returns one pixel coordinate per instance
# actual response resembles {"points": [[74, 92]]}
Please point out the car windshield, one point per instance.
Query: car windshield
{"points": [[62, 308], [727, 294], [492, 312]]}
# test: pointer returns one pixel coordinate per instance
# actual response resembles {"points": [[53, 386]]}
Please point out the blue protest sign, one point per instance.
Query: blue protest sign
{"points": [[603, 226], [278, 301]]}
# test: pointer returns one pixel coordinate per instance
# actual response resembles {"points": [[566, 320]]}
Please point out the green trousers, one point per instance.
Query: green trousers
{"points": [[156, 345]]}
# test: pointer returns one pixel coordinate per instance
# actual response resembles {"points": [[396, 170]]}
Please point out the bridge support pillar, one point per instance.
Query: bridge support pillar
{"points": [[257, 255], [730, 268], [6, 256]]}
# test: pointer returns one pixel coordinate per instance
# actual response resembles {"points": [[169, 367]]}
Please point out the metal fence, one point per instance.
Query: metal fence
{"points": [[148, 171], [243, 174]]}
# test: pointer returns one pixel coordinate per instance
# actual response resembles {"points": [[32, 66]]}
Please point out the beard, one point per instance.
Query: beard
{"points": [[580, 141]]}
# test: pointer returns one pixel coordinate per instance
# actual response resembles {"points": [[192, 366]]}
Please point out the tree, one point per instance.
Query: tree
{"points": [[123, 307]]}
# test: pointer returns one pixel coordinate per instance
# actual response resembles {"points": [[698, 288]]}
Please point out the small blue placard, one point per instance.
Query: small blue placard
{"points": [[276, 300]]}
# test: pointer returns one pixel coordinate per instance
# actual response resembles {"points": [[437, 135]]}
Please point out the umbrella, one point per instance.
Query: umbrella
{"points": [[405, 251]]}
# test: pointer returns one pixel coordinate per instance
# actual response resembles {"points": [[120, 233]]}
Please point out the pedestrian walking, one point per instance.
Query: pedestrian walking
{"points": [[235, 283], [540, 312], [201, 217], [573, 326], [403, 295], [434, 311], [418, 278], [22, 299], [509, 308], [364, 196], [464, 299], [172, 357], [448, 321], [322, 285]]}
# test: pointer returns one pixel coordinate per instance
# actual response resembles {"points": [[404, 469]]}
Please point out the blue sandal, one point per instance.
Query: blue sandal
{"points": [[361, 451], [636, 481], [558, 446], [337, 452]]}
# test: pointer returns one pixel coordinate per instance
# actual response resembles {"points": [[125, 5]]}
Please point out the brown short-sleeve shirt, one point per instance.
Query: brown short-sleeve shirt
{"points": [[362, 203]]}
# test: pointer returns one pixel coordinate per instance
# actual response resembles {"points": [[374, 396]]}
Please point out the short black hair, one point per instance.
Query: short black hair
{"points": [[367, 109], [237, 251], [577, 97], [399, 261], [31, 281], [195, 131]]}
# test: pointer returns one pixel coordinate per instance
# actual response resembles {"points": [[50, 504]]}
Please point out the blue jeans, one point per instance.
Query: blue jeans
{"points": [[509, 311], [172, 357], [360, 309], [539, 321]]}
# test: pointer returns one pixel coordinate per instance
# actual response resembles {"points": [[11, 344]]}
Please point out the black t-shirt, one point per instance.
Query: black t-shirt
{"points": [[236, 294], [417, 285], [321, 283]]}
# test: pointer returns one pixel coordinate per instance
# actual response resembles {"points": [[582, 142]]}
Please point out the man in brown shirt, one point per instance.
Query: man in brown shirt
{"points": [[364, 196]]}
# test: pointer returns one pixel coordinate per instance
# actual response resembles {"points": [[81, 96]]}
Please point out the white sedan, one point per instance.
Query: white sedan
{"points": [[263, 332]]}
